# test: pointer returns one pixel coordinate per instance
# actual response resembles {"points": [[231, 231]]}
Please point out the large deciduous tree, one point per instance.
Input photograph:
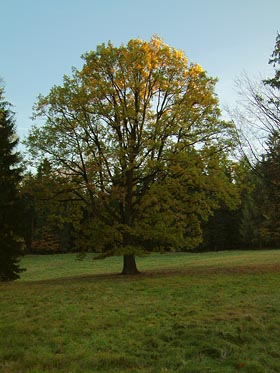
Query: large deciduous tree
{"points": [[10, 207], [138, 133]]}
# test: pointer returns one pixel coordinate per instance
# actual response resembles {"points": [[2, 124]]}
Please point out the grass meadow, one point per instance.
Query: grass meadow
{"points": [[209, 312]]}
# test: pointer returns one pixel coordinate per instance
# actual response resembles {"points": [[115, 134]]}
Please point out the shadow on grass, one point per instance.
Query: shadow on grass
{"points": [[146, 274]]}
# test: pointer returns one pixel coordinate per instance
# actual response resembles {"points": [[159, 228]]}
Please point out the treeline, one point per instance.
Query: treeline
{"points": [[57, 222], [255, 223]]}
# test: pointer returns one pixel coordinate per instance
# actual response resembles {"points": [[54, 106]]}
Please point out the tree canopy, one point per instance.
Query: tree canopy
{"points": [[138, 134]]}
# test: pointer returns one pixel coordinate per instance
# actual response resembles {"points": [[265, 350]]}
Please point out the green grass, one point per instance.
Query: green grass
{"points": [[212, 312]]}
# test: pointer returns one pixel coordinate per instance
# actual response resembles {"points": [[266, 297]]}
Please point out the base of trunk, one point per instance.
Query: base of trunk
{"points": [[129, 265]]}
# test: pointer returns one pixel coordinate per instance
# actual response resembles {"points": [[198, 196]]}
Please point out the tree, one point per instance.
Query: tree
{"points": [[260, 116], [259, 106], [10, 205], [275, 60], [251, 216], [271, 162], [269, 170], [261, 202], [139, 135], [222, 230]]}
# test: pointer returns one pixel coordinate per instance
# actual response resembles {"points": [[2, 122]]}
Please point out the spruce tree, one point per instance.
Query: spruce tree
{"points": [[10, 206]]}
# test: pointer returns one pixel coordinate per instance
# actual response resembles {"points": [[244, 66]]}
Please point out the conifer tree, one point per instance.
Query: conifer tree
{"points": [[275, 61], [10, 207]]}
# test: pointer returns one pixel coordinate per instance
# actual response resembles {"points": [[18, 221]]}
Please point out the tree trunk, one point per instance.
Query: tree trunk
{"points": [[129, 265]]}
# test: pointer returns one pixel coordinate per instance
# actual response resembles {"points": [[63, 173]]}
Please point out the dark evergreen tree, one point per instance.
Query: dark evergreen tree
{"points": [[260, 212], [10, 206], [275, 61], [270, 172], [251, 219]]}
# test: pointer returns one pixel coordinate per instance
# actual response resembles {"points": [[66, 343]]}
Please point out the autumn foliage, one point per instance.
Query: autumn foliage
{"points": [[138, 134]]}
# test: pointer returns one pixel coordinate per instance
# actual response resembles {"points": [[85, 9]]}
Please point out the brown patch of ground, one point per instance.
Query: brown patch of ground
{"points": [[213, 270]]}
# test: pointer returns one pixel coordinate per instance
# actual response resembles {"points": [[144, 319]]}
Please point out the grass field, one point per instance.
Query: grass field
{"points": [[212, 312]]}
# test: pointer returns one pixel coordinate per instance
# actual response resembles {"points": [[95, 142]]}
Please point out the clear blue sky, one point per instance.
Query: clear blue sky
{"points": [[42, 39]]}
